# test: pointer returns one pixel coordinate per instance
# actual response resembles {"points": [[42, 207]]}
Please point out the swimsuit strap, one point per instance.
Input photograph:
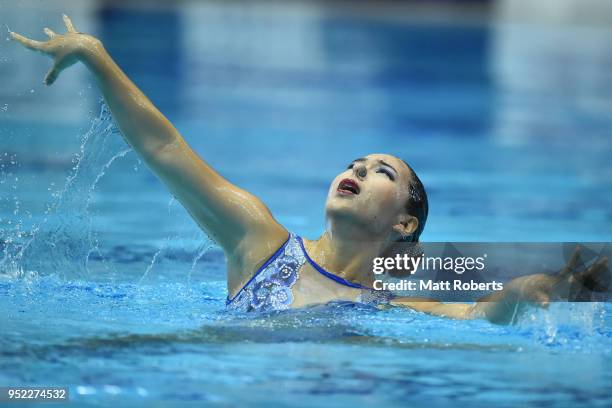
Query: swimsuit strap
{"points": [[330, 275], [260, 269], [270, 287]]}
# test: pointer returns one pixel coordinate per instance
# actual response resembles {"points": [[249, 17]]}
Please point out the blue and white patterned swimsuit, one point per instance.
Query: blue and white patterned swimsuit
{"points": [[270, 287]]}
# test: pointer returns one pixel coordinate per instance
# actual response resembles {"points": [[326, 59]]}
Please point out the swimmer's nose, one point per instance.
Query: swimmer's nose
{"points": [[360, 171]]}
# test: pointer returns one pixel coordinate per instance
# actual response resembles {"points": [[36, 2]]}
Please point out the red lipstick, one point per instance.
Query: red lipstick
{"points": [[348, 187]]}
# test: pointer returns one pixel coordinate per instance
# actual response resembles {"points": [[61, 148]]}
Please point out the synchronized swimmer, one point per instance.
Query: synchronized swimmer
{"points": [[377, 207]]}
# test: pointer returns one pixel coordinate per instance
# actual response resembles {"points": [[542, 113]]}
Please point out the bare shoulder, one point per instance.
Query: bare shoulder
{"points": [[252, 252]]}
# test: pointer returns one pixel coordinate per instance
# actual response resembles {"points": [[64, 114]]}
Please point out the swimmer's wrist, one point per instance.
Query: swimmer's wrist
{"points": [[89, 49]]}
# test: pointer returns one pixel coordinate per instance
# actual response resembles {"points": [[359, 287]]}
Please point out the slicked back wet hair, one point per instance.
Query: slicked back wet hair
{"points": [[417, 204]]}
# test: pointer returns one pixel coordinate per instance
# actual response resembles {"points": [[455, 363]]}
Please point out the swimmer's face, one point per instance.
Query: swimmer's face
{"points": [[371, 195]]}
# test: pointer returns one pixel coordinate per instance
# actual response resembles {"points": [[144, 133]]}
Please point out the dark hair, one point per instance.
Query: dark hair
{"points": [[417, 204]]}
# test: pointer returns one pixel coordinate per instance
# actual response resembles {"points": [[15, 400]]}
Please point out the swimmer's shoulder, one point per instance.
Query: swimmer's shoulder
{"points": [[251, 254]]}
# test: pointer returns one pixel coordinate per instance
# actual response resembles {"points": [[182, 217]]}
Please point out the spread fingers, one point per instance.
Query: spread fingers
{"points": [[31, 44], [69, 24]]}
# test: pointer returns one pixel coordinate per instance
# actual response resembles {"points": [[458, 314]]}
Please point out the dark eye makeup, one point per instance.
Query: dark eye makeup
{"points": [[387, 172], [383, 170]]}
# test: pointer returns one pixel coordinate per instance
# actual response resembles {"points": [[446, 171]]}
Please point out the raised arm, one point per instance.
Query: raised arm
{"points": [[230, 215], [507, 305]]}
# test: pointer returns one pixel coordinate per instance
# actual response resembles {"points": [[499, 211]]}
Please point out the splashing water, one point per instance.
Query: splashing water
{"points": [[63, 240]]}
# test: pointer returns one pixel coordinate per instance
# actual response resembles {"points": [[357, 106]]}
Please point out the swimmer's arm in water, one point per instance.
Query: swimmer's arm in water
{"points": [[461, 311], [507, 305], [229, 214]]}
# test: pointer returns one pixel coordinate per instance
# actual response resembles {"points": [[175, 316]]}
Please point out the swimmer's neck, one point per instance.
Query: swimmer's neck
{"points": [[345, 256]]}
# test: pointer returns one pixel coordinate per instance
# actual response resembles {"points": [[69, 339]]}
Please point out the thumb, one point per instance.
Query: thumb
{"points": [[52, 74], [570, 268]]}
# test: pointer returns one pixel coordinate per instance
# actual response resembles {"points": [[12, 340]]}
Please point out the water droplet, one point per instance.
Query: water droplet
{"points": [[31, 90]]}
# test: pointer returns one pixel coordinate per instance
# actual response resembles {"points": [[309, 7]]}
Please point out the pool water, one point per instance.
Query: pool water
{"points": [[109, 288]]}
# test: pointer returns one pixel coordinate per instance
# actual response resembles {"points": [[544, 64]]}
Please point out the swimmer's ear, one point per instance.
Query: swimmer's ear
{"points": [[407, 225]]}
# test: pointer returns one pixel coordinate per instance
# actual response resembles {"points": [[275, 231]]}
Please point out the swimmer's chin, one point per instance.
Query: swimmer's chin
{"points": [[338, 200], [344, 207]]}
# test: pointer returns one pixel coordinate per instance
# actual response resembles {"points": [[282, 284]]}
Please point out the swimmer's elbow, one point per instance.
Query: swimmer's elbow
{"points": [[457, 311], [176, 163], [168, 150], [497, 312], [163, 150]]}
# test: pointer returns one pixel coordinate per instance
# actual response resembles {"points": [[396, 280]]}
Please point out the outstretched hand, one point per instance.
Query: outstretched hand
{"points": [[65, 49], [579, 284], [572, 283]]}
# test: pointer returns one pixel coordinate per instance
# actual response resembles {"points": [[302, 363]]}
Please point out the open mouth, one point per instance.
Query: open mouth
{"points": [[348, 187]]}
